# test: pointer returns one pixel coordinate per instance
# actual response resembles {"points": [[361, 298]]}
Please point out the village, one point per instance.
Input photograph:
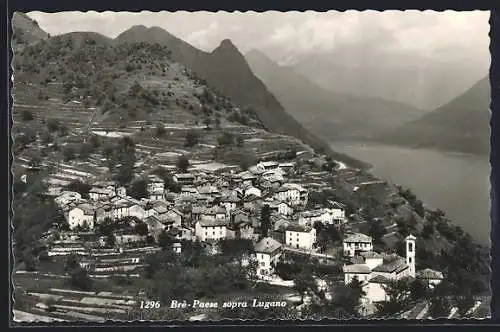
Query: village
{"points": [[200, 193], [208, 207]]}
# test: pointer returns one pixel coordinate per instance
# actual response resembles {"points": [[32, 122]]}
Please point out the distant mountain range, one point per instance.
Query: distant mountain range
{"points": [[333, 116], [409, 78], [462, 125]]}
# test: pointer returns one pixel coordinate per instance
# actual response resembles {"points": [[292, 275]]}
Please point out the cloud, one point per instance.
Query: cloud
{"points": [[290, 34]]}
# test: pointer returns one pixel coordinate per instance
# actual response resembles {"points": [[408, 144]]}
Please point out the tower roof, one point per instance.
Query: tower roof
{"points": [[410, 238]]}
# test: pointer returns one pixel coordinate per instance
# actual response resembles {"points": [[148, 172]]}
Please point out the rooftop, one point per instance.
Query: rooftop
{"points": [[267, 245], [379, 280], [394, 266], [358, 237], [429, 274], [357, 268]]}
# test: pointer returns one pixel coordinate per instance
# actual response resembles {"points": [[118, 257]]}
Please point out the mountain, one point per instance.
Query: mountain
{"points": [[462, 125], [425, 83], [331, 115], [25, 30], [226, 70]]}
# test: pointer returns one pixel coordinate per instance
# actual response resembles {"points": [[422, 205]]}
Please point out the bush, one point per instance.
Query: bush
{"points": [[80, 279], [191, 139], [160, 130], [183, 163], [27, 115], [53, 125]]}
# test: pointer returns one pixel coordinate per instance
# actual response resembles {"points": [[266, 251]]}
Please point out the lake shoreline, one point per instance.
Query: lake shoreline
{"points": [[457, 183]]}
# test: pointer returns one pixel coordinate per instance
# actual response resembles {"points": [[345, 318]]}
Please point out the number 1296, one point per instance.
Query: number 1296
{"points": [[150, 304]]}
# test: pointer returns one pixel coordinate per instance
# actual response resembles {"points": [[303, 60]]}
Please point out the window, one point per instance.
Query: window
{"points": [[410, 247], [409, 260]]}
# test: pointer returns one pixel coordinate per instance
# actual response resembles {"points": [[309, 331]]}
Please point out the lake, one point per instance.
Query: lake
{"points": [[456, 183]]}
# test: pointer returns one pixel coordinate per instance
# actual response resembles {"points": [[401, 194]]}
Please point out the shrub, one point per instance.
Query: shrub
{"points": [[27, 115]]}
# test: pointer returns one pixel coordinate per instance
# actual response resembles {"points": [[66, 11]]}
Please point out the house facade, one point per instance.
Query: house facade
{"points": [[300, 237]]}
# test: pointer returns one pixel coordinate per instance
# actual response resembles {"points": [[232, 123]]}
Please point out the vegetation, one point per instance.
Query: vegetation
{"points": [[182, 163]]}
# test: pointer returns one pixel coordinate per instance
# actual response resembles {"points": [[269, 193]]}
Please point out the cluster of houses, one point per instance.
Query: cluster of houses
{"points": [[374, 270], [209, 207]]}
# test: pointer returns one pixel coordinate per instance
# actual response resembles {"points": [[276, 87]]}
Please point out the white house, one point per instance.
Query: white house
{"points": [[175, 216], [213, 213], [155, 184], [184, 178], [210, 229], [82, 215], [338, 213], [97, 193], [357, 242], [230, 203], [252, 191], [285, 209], [267, 253], [300, 237], [292, 193], [157, 195], [267, 165], [67, 197], [431, 277], [137, 211], [378, 269]]}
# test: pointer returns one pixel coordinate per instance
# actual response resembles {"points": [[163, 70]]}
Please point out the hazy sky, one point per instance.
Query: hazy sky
{"points": [[291, 34]]}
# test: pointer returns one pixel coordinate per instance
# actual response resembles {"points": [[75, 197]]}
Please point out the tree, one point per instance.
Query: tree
{"points": [[398, 298], [191, 139], [79, 187], [304, 282], [142, 229], [46, 137], [239, 141], [80, 279], [53, 125], [138, 189], [418, 290], [439, 307], [160, 130], [85, 151], [68, 152], [265, 220], [226, 139], [95, 141], [27, 116], [72, 263], [182, 163], [376, 230]]}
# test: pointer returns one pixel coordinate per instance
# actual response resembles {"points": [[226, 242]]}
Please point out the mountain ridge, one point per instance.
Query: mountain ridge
{"points": [[461, 125], [333, 115]]}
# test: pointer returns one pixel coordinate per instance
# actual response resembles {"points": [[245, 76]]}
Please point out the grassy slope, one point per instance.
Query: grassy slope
{"points": [[226, 70]]}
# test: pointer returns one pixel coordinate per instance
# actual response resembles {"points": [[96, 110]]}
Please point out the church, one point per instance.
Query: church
{"points": [[375, 270]]}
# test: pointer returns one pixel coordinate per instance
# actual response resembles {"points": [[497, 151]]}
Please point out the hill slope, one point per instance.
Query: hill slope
{"points": [[461, 125], [330, 115], [26, 29], [226, 70]]}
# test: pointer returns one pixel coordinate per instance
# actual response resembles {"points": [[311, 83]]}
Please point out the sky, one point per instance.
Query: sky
{"points": [[290, 35]]}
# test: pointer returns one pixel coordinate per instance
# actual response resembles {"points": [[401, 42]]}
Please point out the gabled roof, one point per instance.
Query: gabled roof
{"points": [[267, 245], [371, 254], [212, 222], [357, 268], [378, 279], [298, 228], [395, 266], [358, 237], [429, 274]]}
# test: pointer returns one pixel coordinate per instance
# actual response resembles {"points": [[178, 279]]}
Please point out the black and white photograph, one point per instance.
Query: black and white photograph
{"points": [[208, 166]]}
